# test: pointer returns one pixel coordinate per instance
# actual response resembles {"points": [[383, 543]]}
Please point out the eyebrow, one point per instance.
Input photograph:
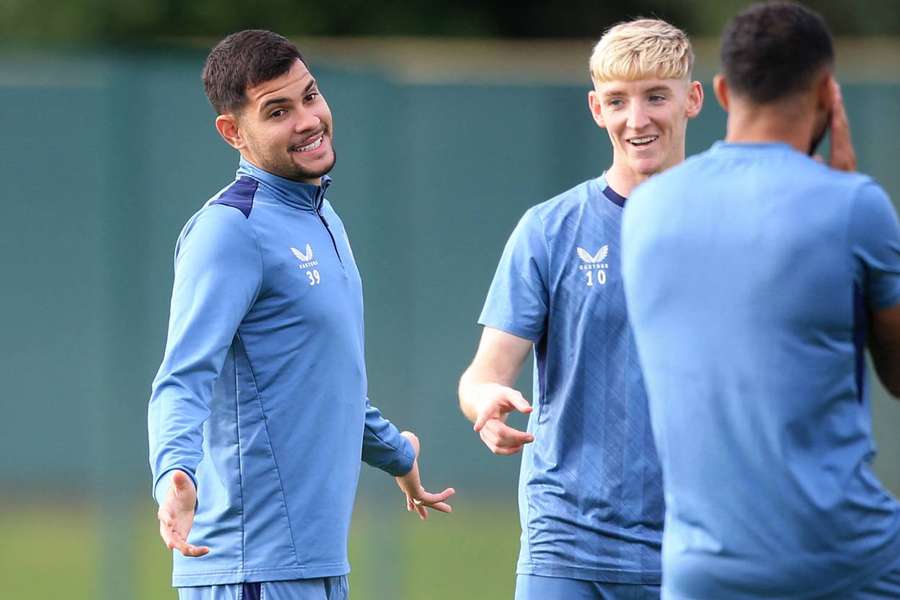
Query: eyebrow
{"points": [[654, 89], [285, 99]]}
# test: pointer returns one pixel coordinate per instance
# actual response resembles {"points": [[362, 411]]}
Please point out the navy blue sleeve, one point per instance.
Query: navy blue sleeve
{"points": [[218, 272], [383, 446], [874, 238]]}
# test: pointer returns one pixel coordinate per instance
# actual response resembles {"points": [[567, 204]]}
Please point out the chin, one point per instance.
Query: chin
{"points": [[646, 168]]}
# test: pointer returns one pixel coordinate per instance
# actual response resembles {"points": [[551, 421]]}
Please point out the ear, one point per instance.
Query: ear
{"points": [[596, 108], [694, 99], [227, 126], [720, 87]]}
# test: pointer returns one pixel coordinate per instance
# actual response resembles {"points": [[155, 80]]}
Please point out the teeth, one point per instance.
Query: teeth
{"points": [[643, 140], [312, 146]]}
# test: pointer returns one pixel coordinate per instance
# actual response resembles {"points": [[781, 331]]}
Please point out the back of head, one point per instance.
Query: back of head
{"points": [[245, 59], [642, 49], [774, 50]]}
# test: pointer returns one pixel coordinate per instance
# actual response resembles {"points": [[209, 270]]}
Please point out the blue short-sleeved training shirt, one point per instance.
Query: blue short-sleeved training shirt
{"points": [[590, 495], [750, 271]]}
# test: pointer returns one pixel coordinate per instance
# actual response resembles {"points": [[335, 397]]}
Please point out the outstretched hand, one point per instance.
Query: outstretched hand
{"points": [[418, 499], [176, 515], [495, 402]]}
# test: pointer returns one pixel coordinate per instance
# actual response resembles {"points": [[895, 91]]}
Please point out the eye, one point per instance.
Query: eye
{"points": [[310, 97], [615, 102], [278, 113], [657, 98]]}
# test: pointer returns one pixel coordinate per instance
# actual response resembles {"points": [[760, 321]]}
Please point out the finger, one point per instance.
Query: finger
{"points": [[843, 155], [430, 498], [443, 507], [518, 401], [499, 451], [482, 420], [493, 444], [190, 550], [507, 436]]}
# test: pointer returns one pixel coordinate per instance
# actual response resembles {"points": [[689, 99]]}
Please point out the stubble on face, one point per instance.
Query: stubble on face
{"points": [[287, 127]]}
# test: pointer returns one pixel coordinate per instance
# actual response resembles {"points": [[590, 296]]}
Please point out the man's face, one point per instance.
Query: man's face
{"points": [[285, 127], [646, 121]]}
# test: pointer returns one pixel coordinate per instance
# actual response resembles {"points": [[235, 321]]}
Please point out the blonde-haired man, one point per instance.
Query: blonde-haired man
{"points": [[590, 489]]}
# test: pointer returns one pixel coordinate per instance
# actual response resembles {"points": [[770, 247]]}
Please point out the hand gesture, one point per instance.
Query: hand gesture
{"points": [[418, 499], [495, 402], [842, 156], [176, 515]]}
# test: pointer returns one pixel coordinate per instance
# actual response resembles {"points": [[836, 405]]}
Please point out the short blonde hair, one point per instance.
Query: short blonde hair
{"points": [[642, 49]]}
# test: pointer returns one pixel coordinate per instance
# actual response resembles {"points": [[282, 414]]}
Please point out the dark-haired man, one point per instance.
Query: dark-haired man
{"points": [[259, 415], [753, 275]]}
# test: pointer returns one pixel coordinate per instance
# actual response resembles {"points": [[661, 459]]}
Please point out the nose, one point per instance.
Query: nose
{"points": [[307, 121], [637, 116]]}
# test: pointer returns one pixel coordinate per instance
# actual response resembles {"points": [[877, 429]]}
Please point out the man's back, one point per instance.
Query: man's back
{"points": [[749, 271]]}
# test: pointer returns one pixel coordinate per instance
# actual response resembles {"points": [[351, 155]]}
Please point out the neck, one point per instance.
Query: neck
{"points": [[623, 180], [788, 122]]}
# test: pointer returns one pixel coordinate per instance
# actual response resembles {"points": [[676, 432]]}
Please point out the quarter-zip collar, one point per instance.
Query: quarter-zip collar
{"points": [[304, 196]]}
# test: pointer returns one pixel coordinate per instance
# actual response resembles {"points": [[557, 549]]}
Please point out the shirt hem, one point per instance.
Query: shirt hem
{"points": [[258, 575], [589, 573], [512, 329]]}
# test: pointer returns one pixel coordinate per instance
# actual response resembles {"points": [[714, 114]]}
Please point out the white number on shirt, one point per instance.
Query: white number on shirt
{"points": [[314, 278], [601, 277]]}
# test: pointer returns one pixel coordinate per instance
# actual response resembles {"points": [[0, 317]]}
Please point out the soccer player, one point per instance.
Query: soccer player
{"points": [[590, 495], [259, 415], [755, 277]]}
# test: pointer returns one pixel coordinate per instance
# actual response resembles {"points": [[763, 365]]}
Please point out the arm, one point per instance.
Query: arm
{"points": [[874, 235], [884, 345], [217, 275], [485, 395], [397, 453]]}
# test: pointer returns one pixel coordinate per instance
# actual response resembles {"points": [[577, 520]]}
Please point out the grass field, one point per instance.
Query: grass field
{"points": [[54, 553]]}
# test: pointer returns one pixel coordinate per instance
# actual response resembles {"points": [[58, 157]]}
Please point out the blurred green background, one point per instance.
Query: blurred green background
{"points": [[449, 123]]}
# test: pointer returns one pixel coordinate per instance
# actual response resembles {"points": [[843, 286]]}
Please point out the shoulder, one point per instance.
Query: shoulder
{"points": [[238, 195], [224, 221], [871, 210], [563, 207], [572, 199]]}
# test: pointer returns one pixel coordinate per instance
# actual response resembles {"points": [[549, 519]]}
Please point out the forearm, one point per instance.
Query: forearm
{"points": [[383, 446], [885, 347], [497, 362]]}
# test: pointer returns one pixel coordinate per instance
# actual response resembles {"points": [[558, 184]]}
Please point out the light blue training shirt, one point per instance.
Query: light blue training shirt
{"points": [[261, 396], [749, 271], [590, 495]]}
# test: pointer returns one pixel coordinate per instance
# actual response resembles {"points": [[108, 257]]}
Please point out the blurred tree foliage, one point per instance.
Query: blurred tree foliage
{"points": [[149, 21]]}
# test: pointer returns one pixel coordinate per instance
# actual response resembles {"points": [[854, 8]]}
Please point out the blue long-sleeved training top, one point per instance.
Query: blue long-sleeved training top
{"points": [[261, 396]]}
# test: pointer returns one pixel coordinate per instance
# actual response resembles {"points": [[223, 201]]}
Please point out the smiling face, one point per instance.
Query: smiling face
{"points": [[284, 127], [646, 120]]}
